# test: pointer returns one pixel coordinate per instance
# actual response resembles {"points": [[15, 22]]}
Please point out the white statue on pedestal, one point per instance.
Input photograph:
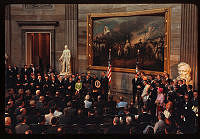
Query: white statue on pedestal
{"points": [[65, 61], [6, 57], [184, 72]]}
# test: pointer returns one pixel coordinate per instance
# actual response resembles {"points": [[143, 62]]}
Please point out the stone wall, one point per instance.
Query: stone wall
{"points": [[67, 29], [119, 80], [20, 13]]}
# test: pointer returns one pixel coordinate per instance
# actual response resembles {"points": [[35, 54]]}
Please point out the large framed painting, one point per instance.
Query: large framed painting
{"points": [[135, 38]]}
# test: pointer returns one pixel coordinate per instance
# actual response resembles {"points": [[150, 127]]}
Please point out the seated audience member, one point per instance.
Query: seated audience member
{"points": [[91, 122], [25, 83], [57, 111], [40, 104], [115, 128], [40, 127], [21, 127], [32, 113], [160, 125], [88, 103], [148, 130], [37, 95], [111, 105], [60, 131], [122, 103], [78, 87], [54, 126], [69, 113], [80, 117], [26, 106], [49, 116], [132, 109], [39, 83], [128, 124], [170, 130], [20, 105], [99, 105], [144, 118], [28, 132], [9, 126]]}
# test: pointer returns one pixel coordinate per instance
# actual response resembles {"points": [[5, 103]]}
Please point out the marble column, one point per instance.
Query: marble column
{"points": [[189, 39], [71, 31]]}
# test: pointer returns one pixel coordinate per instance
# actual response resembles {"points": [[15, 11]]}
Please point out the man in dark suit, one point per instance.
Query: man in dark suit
{"points": [[37, 70], [144, 118], [135, 82], [18, 82], [70, 87], [40, 127], [24, 71], [152, 98], [104, 86], [26, 85], [182, 88], [189, 92], [15, 70], [21, 127], [167, 79], [69, 113], [115, 128], [33, 83], [65, 81], [186, 105], [31, 69], [53, 85], [10, 77], [53, 128], [46, 84], [39, 83], [60, 85]]}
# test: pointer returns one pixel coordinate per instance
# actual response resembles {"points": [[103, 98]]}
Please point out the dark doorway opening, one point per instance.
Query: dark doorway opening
{"points": [[38, 50]]}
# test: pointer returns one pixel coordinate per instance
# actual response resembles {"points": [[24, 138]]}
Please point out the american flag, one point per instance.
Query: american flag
{"points": [[109, 73]]}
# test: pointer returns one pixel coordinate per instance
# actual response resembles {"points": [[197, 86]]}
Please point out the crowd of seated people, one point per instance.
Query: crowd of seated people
{"points": [[47, 103]]}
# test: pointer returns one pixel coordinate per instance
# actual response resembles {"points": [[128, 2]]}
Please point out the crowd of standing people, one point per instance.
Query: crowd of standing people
{"points": [[47, 103]]}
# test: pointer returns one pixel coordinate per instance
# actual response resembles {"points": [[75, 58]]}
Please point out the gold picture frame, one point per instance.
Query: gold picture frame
{"points": [[92, 17]]}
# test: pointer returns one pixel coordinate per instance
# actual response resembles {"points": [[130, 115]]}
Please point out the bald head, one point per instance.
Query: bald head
{"points": [[38, 92], [7, 121], [116, 121]]}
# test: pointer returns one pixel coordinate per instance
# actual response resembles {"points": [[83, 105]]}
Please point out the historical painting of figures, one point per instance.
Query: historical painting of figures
{"points": [[140, 37]]}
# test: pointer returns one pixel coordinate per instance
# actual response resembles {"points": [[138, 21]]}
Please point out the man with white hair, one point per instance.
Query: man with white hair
{"points": [[88, 103], [128, 125], [128, 120], [37, 95], [8, 125]]}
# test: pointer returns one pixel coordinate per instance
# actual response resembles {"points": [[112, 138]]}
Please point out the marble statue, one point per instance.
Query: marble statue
{"points": [[184, 72], [65, 61], [6, 57]]}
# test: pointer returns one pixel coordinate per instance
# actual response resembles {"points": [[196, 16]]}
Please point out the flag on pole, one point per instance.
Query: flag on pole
{"points": [[109, 73]]}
